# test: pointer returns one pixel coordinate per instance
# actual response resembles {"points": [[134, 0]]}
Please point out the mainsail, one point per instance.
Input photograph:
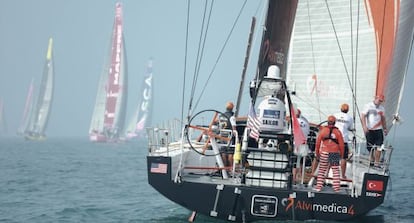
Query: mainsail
{"points": [[109, 113], [347, 52], [276, 36], [142, 116], [38, 117]]}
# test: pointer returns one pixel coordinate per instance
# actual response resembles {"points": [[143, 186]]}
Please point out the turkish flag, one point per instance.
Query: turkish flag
{"points": [[375, 185]]}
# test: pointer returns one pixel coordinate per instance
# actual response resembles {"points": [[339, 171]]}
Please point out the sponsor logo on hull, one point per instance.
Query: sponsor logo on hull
{"points": [[333, 207], [265, 206]]}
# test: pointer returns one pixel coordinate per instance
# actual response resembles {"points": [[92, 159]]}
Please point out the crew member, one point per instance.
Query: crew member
{"points": [[329, 150]]}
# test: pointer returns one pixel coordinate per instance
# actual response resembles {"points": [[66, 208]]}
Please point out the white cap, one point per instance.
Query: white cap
{"points": [[273, 72]]}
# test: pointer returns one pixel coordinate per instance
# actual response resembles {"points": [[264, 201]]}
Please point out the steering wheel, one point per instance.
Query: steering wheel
{"points": [[223, 133]]}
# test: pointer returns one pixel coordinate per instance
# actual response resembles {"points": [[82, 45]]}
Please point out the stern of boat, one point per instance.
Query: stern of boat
{"points": [[159, 172], [261, 187]]}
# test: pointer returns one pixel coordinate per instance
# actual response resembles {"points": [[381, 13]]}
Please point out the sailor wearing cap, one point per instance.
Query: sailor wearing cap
{"points": [[226, 120], [344, 123], [329, 150]]}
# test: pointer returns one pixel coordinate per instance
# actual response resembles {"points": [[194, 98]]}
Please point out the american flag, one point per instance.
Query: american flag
{"points": [[253, 123], [158, 168]]}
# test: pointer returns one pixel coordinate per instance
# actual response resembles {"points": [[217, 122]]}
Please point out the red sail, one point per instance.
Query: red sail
{"points": [[276, 37], [114, 85]]}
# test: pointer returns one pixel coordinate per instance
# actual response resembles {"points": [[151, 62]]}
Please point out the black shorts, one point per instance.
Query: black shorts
{"points": [[346, 151], [375, 138], [227, 149]]}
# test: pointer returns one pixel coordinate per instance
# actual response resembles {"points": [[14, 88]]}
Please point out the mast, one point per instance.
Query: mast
{"points": [[246, 61]]}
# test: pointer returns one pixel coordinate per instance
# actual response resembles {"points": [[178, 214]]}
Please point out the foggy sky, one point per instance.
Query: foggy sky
{"points": [[81, 30]]}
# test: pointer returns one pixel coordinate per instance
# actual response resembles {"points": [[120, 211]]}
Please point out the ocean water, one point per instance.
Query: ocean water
{"points": [[73, 180]]}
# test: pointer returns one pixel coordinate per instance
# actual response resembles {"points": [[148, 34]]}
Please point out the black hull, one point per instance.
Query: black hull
{"points": [[251, 203]]}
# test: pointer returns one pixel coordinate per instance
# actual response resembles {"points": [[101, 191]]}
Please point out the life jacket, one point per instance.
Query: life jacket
{"points": [[225, 119], [329, 136]]}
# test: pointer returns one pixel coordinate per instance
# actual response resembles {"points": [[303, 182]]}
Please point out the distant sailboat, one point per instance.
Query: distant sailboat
{"points": [[27, 108], [142, 116], [110, 106], [37, 110]]}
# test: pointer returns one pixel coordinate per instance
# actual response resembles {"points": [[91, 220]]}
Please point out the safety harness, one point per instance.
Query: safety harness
{"points": [[330, 135]]}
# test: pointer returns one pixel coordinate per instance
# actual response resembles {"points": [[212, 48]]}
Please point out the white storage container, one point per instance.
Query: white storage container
{"points": [[268, 160], [266, 179]]}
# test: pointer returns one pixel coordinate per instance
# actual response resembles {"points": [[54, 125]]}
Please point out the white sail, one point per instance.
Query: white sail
{"points": [[40, 111], [99, 108], [142, 116], [345, 52]]}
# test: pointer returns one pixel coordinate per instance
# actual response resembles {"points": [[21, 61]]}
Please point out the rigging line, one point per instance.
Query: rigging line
{"points": [[185, 61], [339, 47], [305, 101], [313, 60], [340, 50], [317, 108], [352, 42], [352, 56], [246, 61], [221, 53], [258, 34], [355, 107], [257, 8], [261, 22], [311, 38], [205, 39], [200, 49], [396, 116], [356, 110]]}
